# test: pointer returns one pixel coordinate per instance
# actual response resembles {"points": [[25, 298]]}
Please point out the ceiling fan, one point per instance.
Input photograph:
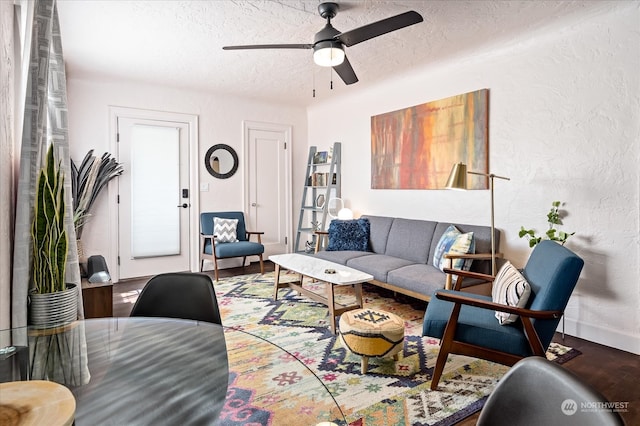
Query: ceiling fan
{"points": [[328, 44]]}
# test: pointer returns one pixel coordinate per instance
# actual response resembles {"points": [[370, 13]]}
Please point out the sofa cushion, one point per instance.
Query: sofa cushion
{"points": [[379, 232], [423, 279], [349, 235], [377, 265], [410, 239], [341, 257], [454, 241]]}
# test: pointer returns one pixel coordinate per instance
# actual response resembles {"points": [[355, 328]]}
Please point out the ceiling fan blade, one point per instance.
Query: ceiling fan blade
{"points": [[375, 29], [269, 46], [346, 72]]}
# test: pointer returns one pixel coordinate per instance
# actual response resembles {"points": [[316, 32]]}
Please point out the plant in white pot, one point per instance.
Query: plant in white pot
{"points": [[53, 302]]}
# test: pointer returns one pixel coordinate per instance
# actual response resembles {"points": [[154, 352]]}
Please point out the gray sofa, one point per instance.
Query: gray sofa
{"points": [[402, 250]]}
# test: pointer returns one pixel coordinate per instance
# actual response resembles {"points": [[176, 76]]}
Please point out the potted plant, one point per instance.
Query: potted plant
{"points": [[553, 219], [88, 181], [53, 302]]}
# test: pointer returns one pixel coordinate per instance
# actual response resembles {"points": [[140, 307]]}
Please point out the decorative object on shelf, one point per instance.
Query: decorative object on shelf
{"points": [[309, 246], [320, 201], [88, 181], [221, 161], [458, 180], [432, 136], [320, 157], [53, 302], [554, 217]]}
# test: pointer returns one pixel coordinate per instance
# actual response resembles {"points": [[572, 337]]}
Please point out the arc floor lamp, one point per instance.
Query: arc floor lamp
{"points": [[458, 180]]}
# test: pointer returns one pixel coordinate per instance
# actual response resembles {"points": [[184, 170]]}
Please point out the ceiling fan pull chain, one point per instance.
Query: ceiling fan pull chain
{"points": [[331, 78]]}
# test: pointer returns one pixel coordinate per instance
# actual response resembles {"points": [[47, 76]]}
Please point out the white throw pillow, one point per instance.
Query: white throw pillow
{"points": [[510, 288], [225, 230]]}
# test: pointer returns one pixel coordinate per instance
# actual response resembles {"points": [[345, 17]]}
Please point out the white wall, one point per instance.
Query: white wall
{"points": [[564, 125], [220, 121]]}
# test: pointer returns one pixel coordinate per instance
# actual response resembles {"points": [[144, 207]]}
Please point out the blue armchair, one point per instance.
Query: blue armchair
{"points": [[466, 323], [213, 250]]}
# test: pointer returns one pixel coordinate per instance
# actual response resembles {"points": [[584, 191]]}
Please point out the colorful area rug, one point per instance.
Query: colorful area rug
{"points": [[391, 393]]}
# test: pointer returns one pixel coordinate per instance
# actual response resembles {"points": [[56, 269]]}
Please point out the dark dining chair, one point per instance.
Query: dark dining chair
{"points": [[467, 325], [540, 392], [182, 295]]}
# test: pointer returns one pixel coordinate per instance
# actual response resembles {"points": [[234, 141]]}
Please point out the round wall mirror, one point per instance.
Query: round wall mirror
{"points": [[221, 161]]}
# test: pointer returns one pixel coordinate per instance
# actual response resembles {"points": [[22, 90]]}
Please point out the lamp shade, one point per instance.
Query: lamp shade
{"points": [[458, 177], [328, 54], [345, 214]]}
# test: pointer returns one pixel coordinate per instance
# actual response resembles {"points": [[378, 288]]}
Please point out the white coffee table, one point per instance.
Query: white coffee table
{"points": [[312, 267]]}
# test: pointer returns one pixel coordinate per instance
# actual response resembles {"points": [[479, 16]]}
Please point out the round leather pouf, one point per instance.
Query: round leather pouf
{"points": [[371, 333]]}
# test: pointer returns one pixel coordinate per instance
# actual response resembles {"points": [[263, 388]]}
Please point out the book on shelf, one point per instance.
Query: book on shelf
{"points": [[319, 179]]}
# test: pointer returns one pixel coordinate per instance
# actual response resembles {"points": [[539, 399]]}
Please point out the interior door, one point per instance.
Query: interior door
{"points": [[268, 192], [154, 197]]}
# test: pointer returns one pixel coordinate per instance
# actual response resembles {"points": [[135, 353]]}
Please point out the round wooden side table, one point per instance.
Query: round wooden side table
{"points": [[36, 402]]}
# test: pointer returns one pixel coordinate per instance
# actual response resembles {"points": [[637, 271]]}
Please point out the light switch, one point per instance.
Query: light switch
{"points": [[204, 187]]}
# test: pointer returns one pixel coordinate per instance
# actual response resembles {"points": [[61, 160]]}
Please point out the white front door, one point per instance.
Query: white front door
{"points": [[268, 187], [154, 197]]}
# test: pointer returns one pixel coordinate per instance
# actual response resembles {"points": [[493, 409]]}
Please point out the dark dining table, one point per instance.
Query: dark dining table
{"points": [[128, 371], [157, 371]]}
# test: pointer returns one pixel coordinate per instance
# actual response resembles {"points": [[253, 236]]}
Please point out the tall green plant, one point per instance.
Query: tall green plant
{"points": [[48, 235], [88, 181], [553, 219]]}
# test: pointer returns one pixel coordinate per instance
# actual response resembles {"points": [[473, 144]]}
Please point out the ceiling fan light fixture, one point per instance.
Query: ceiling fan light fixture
{"points": [[328, 53]]}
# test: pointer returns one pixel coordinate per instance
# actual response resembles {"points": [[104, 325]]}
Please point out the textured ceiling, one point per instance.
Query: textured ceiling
{"points": [[179, 43]]}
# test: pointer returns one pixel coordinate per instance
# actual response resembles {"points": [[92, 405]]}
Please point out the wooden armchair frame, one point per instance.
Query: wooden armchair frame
{"points": [[451, 272]]}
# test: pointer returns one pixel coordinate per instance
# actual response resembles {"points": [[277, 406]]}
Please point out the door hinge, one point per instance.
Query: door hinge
{"points": [[118, 260], [118, 198], [286, 241], [117, 137], [285, 145]]}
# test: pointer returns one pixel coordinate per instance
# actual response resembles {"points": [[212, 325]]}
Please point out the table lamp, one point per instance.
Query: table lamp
{"points": [[458, 180]]}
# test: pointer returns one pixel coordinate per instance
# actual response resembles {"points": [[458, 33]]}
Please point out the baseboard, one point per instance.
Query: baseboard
{"points": [[601, 335]]}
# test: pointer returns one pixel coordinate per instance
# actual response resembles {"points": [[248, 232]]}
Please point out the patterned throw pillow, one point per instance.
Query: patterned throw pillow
{"points": [[455, 242], [510, 288], [349, 235], [225, 230]]}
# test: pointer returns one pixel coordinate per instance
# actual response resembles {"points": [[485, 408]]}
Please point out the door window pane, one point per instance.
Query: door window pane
{"points": [[155, 191]]}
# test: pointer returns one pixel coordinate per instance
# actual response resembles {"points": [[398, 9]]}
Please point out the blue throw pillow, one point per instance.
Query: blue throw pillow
{"points": [[454, 241], [349, 235]]}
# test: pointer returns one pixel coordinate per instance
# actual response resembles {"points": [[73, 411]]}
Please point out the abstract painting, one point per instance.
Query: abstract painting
{"points": [[416, 147]]}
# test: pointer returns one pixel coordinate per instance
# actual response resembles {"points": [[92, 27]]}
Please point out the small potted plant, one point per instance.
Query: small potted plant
{"points": [[53, 302], [553, 219]]}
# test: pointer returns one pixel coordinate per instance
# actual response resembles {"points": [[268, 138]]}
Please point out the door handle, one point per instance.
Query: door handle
{"points": [[254, 204], [184, 205]]}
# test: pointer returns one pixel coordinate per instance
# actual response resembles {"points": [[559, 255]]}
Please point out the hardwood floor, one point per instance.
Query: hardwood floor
{"points": [[612, 372]]}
